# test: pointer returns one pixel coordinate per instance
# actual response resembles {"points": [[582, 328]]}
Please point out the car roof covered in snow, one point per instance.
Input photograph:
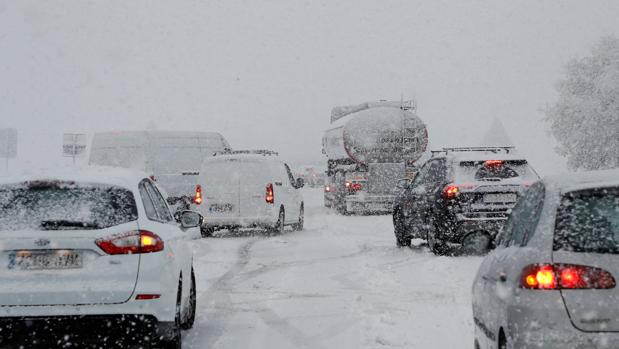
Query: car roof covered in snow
{"points": [[91, 174], [479, 155], [583, 180]]}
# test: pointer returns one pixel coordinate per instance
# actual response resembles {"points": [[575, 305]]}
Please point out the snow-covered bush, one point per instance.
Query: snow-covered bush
{"points": [[585, 119]]}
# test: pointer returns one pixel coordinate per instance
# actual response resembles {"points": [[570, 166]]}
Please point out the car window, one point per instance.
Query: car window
{"points": [[159, 202], [422, 175], [528, 215], [149, 206], [588, 222], [54, 205], [436, 172]]}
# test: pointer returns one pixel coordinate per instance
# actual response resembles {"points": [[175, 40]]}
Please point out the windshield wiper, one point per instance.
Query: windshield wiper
{"points": [[63, 224]]}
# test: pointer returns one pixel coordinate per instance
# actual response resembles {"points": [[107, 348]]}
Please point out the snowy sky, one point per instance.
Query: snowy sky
{"points": [[267, 73]]}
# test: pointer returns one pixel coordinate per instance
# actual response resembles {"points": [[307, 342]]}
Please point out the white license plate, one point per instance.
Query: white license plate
{"points": [[220, 208], [500, 198], [41, 260]]}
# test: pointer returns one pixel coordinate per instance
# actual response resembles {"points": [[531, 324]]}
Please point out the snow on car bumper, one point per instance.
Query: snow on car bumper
{"points": [[239, 222]]}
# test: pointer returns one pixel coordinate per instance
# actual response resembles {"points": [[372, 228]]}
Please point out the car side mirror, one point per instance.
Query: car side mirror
{"points": [[300, 183], [188, 219]]}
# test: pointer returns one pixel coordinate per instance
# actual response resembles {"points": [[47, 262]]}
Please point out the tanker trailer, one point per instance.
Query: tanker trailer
{"points": [[369, 148]]}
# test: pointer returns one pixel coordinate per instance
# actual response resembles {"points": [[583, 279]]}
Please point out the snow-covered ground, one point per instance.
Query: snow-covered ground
{"points": [[340, 283]]}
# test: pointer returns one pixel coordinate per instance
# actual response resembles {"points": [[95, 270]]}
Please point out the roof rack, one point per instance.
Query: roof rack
{"points": [[263, 152], [506, 150]]}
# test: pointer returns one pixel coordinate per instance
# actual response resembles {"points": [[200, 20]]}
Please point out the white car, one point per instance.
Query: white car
{"points": [[552, 281], [96, 251], [248, 189]]}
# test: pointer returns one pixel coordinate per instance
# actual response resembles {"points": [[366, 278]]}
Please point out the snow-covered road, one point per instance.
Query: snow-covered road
{"points": [[340, 283]]}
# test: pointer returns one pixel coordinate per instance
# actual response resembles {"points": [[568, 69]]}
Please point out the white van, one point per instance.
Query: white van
{"points": [[248, 189], [172, 158]]}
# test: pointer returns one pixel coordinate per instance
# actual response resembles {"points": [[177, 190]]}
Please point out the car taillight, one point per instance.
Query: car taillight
{"points": [[565, 276], [197, 199], [133, 242], [493, 163], [327, 188], [270, 194], [451, 191], [354, 187]]}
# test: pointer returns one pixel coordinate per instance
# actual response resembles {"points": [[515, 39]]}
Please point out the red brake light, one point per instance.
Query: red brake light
{"points": [[451, 191], [565, 276], [270, 194], [133, 242], [493, 163], [354, 187], [327, 188], [197, 199], [142, 297]]}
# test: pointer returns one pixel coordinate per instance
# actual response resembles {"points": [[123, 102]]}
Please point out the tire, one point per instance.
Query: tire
{"points": [[476, 344], [207, 232], [437, 246], [191, 311], [502, 340], [280, 225], [399, 229], [299, 226], [176, 342]]}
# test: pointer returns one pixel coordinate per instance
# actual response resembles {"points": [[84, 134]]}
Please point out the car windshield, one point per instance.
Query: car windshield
{"points": [[588, 221], [64, 206]]}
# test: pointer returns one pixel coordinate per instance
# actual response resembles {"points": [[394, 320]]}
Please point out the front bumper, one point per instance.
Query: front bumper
{"points": [[102, 330]]}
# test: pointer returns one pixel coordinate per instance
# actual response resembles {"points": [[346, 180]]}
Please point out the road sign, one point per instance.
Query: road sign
{"points": [[73, 145], [8, 143]]}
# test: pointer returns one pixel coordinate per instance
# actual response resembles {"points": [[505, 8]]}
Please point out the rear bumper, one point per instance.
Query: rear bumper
{"points": [[217, 223], [28, 331], [457, 227], [370, 203]]}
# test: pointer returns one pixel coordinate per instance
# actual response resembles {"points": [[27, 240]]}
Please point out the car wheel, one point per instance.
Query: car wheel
{"points": [[399, 230], [191, 310], [299, 226], [502, 340], [207, 232], [280, 225], [176, 342], [436, 245], [476, 243]]}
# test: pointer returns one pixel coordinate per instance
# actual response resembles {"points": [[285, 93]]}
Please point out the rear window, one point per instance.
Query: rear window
{"points": [[64, 206], [588, 221], [495, 170]]}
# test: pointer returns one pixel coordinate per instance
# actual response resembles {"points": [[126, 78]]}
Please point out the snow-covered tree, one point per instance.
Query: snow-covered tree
{"points": [[585, 118]]}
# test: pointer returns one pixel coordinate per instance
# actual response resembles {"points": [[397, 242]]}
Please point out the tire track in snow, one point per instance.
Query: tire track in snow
{"points": [[221, 302]]}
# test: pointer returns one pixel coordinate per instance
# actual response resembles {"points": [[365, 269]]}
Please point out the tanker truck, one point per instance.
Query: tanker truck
{"points": [[369, 148]]}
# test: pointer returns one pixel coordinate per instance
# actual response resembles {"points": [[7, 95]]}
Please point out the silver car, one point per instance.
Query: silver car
{"points": [[551, 282]]}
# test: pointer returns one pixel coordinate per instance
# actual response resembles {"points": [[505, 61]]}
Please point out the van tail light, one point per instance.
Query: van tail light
{"points": [[133, 242], [270, 194], [197, 199], [565, 277]]}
